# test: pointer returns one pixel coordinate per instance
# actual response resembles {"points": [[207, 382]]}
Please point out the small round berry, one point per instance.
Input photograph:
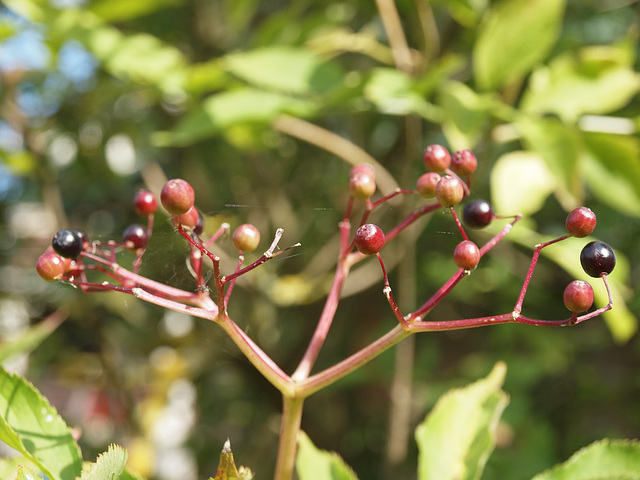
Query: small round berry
{"points": [[581, 222], [199, 228], [68, 242], [135, 237], [51, 266], [466, 255], [464, 162], [426, 184], [449, 191], [189, 219], [145, 203], [362, 184], [246, 238], [578, 296], [369, 239], [365, 168], [477, 214], [597, 258], [437, 158], [177, 196]]}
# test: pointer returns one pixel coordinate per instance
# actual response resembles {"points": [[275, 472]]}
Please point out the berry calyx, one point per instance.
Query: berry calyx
{"points": [[449, 191], [135, 237], [581, 222], [426, 184], [68, 242], [51, 266], [477, 214], [597, 259], [466, 255], [578, 296], [145, 203], [188, 219], [437, 158], [464, 162], [369, 239], [177, 196], [362, 181], [246, 238]]}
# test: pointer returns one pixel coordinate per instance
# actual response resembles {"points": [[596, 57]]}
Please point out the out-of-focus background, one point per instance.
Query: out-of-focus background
{"points": [[260, 106]]}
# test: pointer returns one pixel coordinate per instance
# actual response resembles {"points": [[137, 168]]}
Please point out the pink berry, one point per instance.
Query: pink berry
{"points": [[189, 219], [464, 162], [362, 181], [437, 158], [578, 296], [177, 196], [246, 238], [369, 239], [449, 191], [581, 222], [145, 203], [51, 266], [135, 237], [466, 255], [426, 184]]}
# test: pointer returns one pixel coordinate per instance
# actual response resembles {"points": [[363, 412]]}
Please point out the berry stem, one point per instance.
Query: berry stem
{"points": [[233, 281], [442, 292], [458, 223], [389, 294], [412, 217], [390, 196], [224, 229], [600, 310]]}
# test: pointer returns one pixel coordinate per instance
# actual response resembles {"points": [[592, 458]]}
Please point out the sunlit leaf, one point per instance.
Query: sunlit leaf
{"points": [[515, 36], [25, 473], [457, 437], [120, 10], [602, 460], [227, 469], [109, 465], [315, 464]]}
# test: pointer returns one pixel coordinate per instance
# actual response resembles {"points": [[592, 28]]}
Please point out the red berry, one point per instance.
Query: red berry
{"points": [[477, 214], [177, 196], [68, 242], [51, 266], [145, 203], [437, 158], [189, 219], [246, 238], [464, 162], [597, 258], [581, 222], [362, 181], [466, 255], [426, 184], [199, 228], [578, 296], [369, 239], [449, 191], [135, 237]]}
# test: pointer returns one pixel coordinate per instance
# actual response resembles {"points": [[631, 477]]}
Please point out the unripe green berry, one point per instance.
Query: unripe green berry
{"points": [[177, 196], [449, 191], [426, 184], [362, 185], [51, 266], [246, 238]]}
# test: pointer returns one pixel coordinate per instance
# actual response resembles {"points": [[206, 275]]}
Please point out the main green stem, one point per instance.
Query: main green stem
{"points": [[289, 429]]}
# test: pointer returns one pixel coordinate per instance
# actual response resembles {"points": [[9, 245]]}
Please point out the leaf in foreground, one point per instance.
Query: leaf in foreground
{"points": [[315, 464], [227, 469], [109, 465]]}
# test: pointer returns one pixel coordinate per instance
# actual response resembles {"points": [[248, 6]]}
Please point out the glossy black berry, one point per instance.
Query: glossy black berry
{"points": [[477, 214], [597, 258], [135, 237], [68, 242]]}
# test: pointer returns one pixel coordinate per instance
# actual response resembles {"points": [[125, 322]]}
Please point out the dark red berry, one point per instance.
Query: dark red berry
{"points": [[426, 184], [199, 228], [449, 191], [437, 158], [362, 181], [177, 196], [68, 242], [597, 258], [369, 239], [578, 296], [51, 266], [135, 237], [246, 238], [145, 203], [477, 214], [189, 219], [464, 162], [581, 222], [466, 255]]}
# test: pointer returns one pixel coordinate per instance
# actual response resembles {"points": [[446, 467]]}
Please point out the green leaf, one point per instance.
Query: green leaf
{"points": [[227, 469], [520, 183], [30, 339], [612, 171], [315, 464], [121, 10], [227, 109], [602, 460], [108, 466], [285, 69], [516, 35], [29, 424], [597, 80], [457, 437], [25, 473]]}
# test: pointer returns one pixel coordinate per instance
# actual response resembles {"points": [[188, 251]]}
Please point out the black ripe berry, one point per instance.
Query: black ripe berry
{"points": [[597, 258], [135, 237], [477, 214], [68, 242]]}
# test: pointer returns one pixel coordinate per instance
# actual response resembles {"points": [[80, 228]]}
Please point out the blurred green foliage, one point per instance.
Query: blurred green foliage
{"points": [[99, 98]]}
